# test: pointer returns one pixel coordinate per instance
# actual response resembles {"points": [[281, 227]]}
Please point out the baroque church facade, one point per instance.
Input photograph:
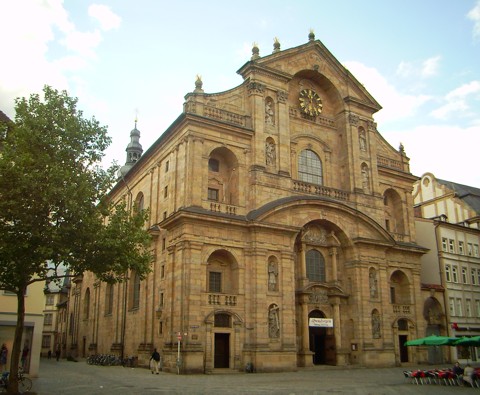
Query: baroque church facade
{"points": [[283, 231]]}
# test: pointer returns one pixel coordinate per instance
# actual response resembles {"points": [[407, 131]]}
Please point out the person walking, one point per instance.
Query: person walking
{"points": [[155, 361], [24, 357], [3, 357], [57, 352]]}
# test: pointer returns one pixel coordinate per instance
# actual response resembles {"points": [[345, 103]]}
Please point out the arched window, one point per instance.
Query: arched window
{"points": [[310, 167], [86, 304], [139, 202], [135, 296], [315, 266], [109, 299]]}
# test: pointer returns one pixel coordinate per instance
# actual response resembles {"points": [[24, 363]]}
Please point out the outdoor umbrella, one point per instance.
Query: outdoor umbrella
{"points": [[432, 340], [468, 341]]}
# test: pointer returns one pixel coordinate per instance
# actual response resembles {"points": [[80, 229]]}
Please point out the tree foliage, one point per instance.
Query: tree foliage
{"points": [[54, 204]]}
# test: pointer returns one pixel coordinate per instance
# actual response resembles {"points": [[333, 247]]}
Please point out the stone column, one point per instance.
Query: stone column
{"points": [[333, 254], [305, 353]]}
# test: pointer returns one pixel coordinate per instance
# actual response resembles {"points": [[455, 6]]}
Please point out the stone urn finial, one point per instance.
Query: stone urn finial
{"points": [[198, 84], [276, 45], [311, 35], [255, 52]]}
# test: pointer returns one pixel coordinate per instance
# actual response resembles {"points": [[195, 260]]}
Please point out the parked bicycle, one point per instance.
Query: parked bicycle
{"points": [[24, 383]]}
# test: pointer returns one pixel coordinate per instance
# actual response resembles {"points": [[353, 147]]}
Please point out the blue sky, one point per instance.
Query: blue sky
{"points": [[123, 58]]}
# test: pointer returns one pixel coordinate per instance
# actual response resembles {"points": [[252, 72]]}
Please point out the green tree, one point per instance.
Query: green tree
{"points": [[54, 203]]}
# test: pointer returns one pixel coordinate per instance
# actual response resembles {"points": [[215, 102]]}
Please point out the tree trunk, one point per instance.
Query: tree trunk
{"points": [[17, 343]]}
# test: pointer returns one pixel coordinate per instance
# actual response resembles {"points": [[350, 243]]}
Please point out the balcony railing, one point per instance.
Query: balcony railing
{"points": [[402, 309], [222, 299], [387, 162], [223, 208], [305, 187]]}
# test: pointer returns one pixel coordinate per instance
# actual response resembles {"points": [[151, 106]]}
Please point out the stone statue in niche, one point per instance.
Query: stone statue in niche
{"points": [[376, 325], [272, 276], [270, 155], [273, 322], [363, 140], [269, 113], [365, 179], [373, 284]]}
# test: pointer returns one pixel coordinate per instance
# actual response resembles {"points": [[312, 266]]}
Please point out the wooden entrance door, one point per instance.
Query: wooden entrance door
{"points": [[222, 350]]}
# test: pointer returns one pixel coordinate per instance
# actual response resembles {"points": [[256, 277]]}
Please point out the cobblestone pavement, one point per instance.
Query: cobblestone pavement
{"points": [[75, 378]]}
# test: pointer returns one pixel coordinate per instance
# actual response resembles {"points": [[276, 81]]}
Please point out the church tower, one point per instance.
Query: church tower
{"points": [[134, 151]]}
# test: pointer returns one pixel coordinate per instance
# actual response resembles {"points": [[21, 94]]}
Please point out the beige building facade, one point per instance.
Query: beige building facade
{"points": [[32, 332], [448, 223], [283, 231]]}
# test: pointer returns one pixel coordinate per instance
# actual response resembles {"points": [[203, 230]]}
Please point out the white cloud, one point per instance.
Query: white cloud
{"points": [[458, 100], [423, 69], [430, 66], [83, 43], [396, 105], [31, 37], [474, 15], [450, 152], [105, 16]]}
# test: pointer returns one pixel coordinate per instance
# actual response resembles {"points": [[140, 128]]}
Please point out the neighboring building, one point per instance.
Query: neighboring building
{"points": [[56, 295], [448, 223], [283, 230], [32, 333]]}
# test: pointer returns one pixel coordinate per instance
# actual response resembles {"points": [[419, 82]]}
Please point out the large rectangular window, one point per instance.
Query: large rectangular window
{"points": [[451, 306], [215, 282], [468, 307], [464, 275], [48, 319], [213, 194], [459, 307], [469, 249], [49, 300], [46, 341], [451, 246], [444, 244], [461, 248], [455, 274], [448, 273], [473, 276]]}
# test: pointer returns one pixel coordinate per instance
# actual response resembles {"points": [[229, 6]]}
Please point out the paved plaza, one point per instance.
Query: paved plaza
{"points": [[79, 378]]}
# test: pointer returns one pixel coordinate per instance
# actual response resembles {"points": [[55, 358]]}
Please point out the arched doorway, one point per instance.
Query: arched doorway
{"points": [[321, 341]]}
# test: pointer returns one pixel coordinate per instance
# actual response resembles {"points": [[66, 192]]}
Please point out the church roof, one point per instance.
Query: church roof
{"points": [[469, 195]]}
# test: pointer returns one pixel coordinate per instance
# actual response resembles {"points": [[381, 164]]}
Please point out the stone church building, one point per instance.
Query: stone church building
{"points": [[283, 230]]}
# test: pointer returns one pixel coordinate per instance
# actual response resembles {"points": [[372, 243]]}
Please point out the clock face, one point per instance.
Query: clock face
{"points": [[310, 102]]}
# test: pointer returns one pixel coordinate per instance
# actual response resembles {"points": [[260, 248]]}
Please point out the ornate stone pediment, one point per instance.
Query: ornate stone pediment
{"points": [[315, 235], [318, 295]]}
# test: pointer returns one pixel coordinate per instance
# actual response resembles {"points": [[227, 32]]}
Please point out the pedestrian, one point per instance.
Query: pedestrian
{"points": [[155, 361], [57, 352], [3, 357], [49, 354], [24, 357], [458, 372]]}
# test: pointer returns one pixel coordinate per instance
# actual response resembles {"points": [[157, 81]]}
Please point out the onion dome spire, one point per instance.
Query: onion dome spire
{"points": [[134, 151]]}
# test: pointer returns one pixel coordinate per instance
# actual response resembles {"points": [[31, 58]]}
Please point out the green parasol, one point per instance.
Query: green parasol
{"points": [[432, 340], [468, 341]]}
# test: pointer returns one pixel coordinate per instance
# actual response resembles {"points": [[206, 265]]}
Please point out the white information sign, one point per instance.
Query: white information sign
{"points": [[321, 322]]}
